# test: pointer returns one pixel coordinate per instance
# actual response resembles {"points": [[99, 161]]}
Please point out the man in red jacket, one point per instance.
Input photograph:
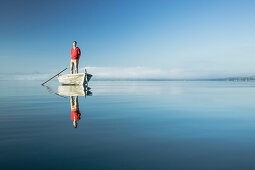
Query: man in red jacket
{"points": [[75, 56]]}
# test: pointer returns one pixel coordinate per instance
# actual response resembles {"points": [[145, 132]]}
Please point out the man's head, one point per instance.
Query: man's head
{"points": [[74, 44]]}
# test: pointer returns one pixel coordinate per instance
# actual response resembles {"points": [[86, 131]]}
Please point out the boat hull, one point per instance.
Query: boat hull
{"points": [[74, 79]]}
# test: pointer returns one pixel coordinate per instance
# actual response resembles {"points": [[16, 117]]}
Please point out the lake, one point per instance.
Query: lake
{"points": [[128, 125]]}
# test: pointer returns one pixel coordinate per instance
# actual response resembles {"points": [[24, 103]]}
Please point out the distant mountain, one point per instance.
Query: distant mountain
{"points": [[250, 78]]}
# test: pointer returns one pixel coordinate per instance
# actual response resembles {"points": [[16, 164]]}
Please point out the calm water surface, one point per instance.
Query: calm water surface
{"points": [[128, 125]]}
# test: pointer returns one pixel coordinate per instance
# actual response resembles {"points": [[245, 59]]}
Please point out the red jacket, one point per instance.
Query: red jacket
{"points": [[75, 114], [75, 53]]}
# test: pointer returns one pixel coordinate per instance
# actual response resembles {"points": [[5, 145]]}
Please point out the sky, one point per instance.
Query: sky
{"points": [[129, 38]]}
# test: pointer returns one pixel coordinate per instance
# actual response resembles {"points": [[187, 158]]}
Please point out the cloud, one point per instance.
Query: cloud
{"points": [[138, 73], [25, 76], [160, 73]]}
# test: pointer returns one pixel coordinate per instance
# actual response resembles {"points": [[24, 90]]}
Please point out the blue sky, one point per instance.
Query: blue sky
{"points": [[164, 38]]}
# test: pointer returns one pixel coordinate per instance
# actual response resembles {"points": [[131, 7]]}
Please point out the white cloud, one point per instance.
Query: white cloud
{"points": [[139, 73], [159, 73], [35, 76]]}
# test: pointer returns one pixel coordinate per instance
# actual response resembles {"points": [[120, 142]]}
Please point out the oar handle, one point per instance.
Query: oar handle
{"points": [[53, 76]]}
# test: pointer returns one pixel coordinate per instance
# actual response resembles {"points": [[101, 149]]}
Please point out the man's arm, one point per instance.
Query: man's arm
{"points": [[79, 53]]}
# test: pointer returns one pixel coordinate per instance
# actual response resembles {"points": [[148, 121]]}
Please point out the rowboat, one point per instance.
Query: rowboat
{"points": [[75, 79], [71, 79]]}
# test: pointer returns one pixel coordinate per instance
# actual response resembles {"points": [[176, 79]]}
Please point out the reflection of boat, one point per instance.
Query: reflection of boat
{"points": [[74, 91], [51, 91], [75, 79]]}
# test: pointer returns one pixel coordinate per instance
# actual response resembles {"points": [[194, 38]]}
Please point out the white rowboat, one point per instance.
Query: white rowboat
{"points": [[72, 79], [75, 79]]}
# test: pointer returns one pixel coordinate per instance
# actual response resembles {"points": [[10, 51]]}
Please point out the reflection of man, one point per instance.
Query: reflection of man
{"points": [[75, 114]]}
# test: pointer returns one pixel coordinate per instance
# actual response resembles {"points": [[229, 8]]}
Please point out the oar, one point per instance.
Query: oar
{"points": [[51, 91], [54, 76]]}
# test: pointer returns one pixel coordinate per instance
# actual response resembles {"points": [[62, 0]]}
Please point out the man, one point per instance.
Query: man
{"points": [[75, 111], [75, 56]]}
